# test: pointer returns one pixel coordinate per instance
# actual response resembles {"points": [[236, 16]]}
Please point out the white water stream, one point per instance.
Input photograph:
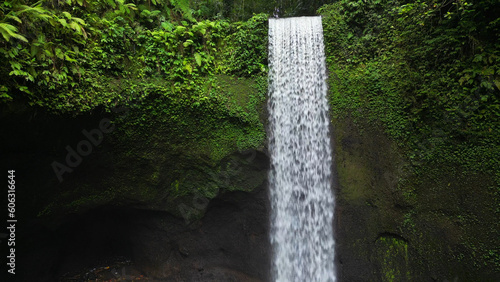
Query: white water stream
{"points": [[302, 202]]}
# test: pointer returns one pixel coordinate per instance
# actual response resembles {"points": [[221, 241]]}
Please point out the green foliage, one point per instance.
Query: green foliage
{"points": [[247, 47], [182, 6], [176, 75], [83, 56], [241, 10], [12, 11], [427, 70], [181, 52], [42, 60], [213, 112]]}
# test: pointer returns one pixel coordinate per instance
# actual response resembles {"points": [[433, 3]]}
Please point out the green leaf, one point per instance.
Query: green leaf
{"points": [[4, 94], [67, 15], [59, 53], [14, 18], [63, 22], [69, 59], [9, 31], [167, 26], [197, 57], [76, 27], [78, 20], [24, 89], [180, 29], [15, 65], [488, 71], [497, 82], [189, 68]]}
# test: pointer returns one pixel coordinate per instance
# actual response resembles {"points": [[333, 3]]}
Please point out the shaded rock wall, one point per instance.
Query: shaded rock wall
{"points": [[393, 225], [179, 214], [229, 244], [175, 200]]}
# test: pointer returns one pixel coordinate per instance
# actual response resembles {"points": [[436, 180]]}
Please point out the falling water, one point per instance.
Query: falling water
{"points": [[302, 201]]}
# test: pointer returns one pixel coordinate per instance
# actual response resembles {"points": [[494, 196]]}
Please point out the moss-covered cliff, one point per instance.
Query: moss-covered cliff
{"points": [[158, 188], [157, 110], [151, 109], [395, 225], [149, 155], [137, 141], [414, 97]]}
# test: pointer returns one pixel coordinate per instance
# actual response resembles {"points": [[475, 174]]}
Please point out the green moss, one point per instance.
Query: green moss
{"points": [[393, 255], [237, 89], [170, 146], [388, 86]]}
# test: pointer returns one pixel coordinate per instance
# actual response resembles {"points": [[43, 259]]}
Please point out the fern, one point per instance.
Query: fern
{"points": [[9, 31], [182, 6]]}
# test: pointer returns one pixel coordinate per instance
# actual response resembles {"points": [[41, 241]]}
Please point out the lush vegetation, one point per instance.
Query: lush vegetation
{"points": [[155, 57], [175, 84], [75, 56], [428, 73], [237, 10], [428, 70]]}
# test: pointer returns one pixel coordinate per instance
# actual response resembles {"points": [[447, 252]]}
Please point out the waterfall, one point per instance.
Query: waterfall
{"points": [[302, 202]]}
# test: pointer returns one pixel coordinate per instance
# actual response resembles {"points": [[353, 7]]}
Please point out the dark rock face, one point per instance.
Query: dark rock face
{"points": [[364, 218], [121, 208], [393, 225], [140, 205], [230, 243]]}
